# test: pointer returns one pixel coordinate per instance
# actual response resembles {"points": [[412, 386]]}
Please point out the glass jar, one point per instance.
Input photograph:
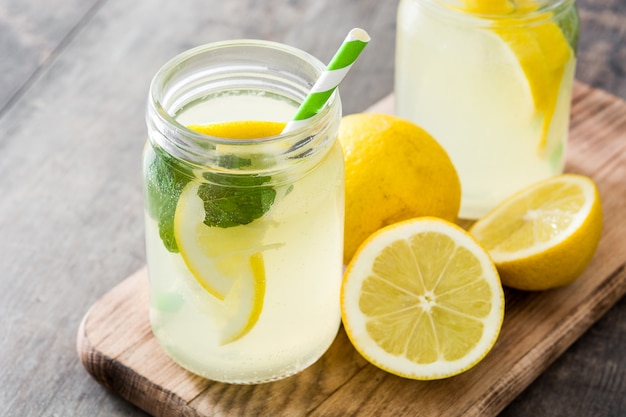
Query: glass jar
{"points": [[243, 236], [492, 82]]}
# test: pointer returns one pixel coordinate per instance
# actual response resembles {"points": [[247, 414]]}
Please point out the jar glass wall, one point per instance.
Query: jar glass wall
{"points": [[492, 82], [243, 236]]}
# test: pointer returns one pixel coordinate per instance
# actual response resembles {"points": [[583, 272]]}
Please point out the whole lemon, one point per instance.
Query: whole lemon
{"points": [[395, 171]]}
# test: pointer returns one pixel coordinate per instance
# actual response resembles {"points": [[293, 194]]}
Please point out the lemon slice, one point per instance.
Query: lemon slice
{"points": [[241, 129], [544, 236], [421, 299], [226, 262], [244, 303], [542, 52], [540, 48]]}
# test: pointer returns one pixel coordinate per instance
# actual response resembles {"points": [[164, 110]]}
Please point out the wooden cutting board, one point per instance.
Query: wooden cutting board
{"points": [[116, 346]]}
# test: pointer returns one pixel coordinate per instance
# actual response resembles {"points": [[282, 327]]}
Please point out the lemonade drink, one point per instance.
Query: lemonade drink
{"points": [[244, 225], [492, 82]]}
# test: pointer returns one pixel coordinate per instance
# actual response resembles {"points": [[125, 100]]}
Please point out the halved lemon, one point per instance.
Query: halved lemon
{"points": [[545, 235], [422, 299], [227, 262]]}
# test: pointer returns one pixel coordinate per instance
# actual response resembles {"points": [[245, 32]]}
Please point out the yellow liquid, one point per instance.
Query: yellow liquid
{"points": [[301, 245], [464, 85]]}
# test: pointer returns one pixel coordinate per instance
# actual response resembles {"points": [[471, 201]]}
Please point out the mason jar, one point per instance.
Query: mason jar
{"points": [[492, 82], [243, 230]]}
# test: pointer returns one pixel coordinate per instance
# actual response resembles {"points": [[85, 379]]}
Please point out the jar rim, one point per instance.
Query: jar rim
{"points": [[178, 61], [249, 67], [544, 11]]}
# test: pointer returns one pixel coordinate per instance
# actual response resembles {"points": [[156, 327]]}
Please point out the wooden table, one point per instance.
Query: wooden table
{"points": [[74, 76]]}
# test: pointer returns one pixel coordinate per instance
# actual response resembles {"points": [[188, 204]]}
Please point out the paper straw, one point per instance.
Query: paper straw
{"points": [[326, 84]]}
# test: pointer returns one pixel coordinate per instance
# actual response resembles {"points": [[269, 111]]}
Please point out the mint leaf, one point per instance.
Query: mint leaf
{"points": [[233, 200], [569, 25], [164, 183], [229, 200]]}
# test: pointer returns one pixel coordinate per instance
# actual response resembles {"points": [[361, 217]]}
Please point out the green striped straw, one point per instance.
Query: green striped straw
{"points": [[327, 83]]}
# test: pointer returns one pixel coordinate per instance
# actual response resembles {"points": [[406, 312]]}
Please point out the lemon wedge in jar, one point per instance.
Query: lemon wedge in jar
{"points": [[219, 231], [539, 46], [227, 263]]}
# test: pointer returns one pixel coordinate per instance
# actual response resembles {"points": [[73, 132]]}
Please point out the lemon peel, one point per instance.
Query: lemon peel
{"points": [[394, 171]]}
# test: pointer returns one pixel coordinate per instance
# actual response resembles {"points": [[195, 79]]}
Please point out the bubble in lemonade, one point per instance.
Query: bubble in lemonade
{"points": [[245, 269], [492, 82], [244, 218]]}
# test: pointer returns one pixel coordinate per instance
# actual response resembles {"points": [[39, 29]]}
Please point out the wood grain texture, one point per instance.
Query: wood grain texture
{"points": [[73, 81], [116, 345], [32, 36]]}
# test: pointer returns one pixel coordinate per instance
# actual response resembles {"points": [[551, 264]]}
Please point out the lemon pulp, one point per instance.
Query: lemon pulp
{"points": [[545, 235], [421, 299]]}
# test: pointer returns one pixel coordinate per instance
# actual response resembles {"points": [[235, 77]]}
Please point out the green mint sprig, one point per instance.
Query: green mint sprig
{"points": [[235, 200], [229, 200], [164, 183]]}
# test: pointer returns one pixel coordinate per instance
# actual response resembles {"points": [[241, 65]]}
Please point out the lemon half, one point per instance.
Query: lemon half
{"points": [[545, 235], [422, 299]]}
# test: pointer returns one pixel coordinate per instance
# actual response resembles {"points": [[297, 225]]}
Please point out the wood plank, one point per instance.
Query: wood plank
{"points": [[116, 346], [31, 37]]}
